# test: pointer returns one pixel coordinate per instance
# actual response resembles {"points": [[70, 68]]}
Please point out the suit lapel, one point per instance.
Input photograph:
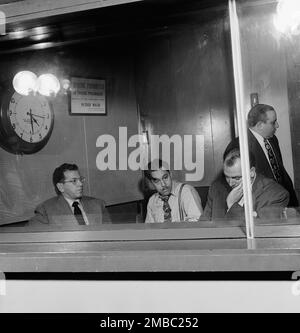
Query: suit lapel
{"points": [[262, 164], [92, 211], [254, 146], [63, 205], [65, 209]]}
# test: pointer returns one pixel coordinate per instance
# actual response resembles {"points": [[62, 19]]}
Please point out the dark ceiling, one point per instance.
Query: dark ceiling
{"points": [[133, 19]]}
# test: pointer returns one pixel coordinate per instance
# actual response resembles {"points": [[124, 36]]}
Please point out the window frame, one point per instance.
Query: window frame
{"points": [[147, 248], [191, 247]]}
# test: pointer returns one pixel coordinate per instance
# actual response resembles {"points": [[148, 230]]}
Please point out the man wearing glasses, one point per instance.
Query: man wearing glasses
{"points": [[70, 206]]}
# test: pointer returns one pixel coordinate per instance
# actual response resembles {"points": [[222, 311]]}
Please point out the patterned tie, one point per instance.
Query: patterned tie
{"points": [[273, 160], [78, 213], [166, 208]]}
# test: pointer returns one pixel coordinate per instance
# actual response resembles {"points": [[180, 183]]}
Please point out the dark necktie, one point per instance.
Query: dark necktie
{"points": [[78, 213], [166, 208], [273, 161]]}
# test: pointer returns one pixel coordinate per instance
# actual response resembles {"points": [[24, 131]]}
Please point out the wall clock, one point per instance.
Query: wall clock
{"points": [[26, 123]]}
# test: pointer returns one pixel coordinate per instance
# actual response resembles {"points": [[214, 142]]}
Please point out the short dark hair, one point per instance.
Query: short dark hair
{"points": [[234, 154], [153, 166], [258, 113], [59, 174]]}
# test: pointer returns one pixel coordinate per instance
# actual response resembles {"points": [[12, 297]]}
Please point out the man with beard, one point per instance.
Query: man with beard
{"points": [[225, 196], [173, 201], [70, 206], [264, 145]]}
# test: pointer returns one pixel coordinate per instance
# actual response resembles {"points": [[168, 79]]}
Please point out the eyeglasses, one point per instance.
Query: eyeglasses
{"points": [[74, 181]]}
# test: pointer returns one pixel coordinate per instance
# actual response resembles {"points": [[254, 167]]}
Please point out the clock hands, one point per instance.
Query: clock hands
{"points": [[35, 121], [32, 119], [30, 114], [36, 115]]}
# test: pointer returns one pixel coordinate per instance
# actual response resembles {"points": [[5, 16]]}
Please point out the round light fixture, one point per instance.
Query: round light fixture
{"points": [[48, 84], [287, 18], [25, 82]]}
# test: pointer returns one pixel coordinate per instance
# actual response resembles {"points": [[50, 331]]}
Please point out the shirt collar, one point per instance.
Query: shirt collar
{"points": [[258, 137], [174, 186], [70, 201]]}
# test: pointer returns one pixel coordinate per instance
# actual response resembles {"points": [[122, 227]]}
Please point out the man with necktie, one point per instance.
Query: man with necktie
{"points": [[264, 145], [70, 206], [226, 198], [173, 201]]}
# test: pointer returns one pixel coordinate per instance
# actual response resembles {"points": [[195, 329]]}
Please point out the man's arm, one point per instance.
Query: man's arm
{"points": [[191, 203], [150, 215], [235, 212], [40, 216], [272, 200], [207, 215]]}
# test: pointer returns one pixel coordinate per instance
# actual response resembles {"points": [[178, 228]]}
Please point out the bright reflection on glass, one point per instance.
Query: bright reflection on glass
{"points": [[25, 82], [66, 84], [287, 19], [48, 84], [145, 137], [18, 34]]}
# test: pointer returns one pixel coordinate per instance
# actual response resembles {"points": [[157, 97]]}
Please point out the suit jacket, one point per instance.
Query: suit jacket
{"points": [[269, 199], [262, 164], [56, 211]]}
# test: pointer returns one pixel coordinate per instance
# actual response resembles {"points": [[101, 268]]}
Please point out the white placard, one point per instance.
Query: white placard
{"points": [[88, 96]]}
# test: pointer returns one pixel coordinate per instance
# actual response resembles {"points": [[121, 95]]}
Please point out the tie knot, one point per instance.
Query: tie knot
{"points": [[75, 204], [165, 198], [267, 143]]}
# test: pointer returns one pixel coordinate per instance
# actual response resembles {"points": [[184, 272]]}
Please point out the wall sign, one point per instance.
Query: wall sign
{"points": [[88, 96]]}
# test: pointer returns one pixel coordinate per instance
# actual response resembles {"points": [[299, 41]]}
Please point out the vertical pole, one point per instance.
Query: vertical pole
{"points": [[241, 117]]}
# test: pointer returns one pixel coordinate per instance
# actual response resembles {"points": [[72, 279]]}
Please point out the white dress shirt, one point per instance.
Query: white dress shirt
{"points": [[70, 203], [190, 201]]}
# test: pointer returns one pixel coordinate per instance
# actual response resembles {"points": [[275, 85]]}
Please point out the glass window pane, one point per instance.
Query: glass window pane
{"points": [[129, 90], [269, 105]]}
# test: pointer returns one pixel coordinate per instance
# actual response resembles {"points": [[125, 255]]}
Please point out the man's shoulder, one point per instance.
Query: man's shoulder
{"points": [[263, 183], [218, 183], [186, 188], [262, 180], [59, 199], [51, 201], [89, 199]]}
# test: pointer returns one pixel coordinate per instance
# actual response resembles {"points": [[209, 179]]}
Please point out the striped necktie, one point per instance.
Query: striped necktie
{"points": [[273, 161], [166, 208]]}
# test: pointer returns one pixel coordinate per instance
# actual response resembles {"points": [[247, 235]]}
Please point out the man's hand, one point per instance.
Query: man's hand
{"points": [[235, 195]]}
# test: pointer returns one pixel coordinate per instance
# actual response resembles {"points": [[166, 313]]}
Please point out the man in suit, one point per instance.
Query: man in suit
{"points": [[262, 123], [70, 206], [225, 196]]}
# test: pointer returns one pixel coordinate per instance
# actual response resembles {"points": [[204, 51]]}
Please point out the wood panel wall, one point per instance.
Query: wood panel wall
{"points": [[184, 87]]}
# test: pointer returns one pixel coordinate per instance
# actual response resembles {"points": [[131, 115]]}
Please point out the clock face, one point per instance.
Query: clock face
{"points": [[30, 117], [26, 123]]}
